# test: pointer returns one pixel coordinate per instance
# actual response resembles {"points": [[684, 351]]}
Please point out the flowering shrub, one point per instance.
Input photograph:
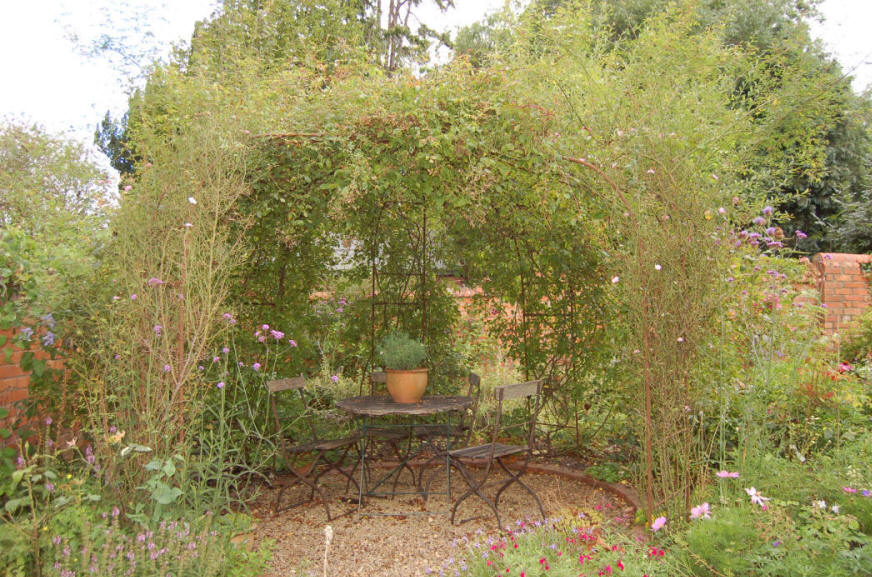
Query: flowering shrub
{"points": [[105, 547], [559, 547]]}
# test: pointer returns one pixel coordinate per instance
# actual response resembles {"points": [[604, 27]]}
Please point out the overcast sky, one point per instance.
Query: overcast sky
{"points": [[47, 80]]}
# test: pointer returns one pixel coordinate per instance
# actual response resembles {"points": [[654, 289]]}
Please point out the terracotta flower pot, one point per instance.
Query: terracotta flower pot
{"points": [[406, 386]]}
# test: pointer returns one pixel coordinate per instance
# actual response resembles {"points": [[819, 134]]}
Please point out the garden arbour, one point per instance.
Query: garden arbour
{"points": [[382, 191]]}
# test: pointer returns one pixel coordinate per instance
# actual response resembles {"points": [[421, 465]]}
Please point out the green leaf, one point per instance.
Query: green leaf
{"points": [[169, 469], [38, 367], [12, 505], [4, 412], [165, 494], [93, 497], [154, 465], [26, 362], [7, 353]]}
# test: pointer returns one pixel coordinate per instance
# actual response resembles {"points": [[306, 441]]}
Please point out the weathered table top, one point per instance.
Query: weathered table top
{"points": [[378, 406]]}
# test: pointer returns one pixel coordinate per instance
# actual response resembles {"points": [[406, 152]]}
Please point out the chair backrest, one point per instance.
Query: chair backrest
{"points": [[468, 417], [377, 378], [290, 384], [531, 391]]}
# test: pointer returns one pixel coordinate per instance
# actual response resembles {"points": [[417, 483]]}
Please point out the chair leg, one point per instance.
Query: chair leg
{"points": [[474, 489], [306, 479], [515, 478]]}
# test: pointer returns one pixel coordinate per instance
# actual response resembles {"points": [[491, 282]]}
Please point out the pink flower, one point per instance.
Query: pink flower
{"points": [[292, 342], [167, 368], [727, 475], [154, 281], [256, 366], [133, 297], [701, 512], [220, 384], [757, 498], [849, 489], [658, 523]]}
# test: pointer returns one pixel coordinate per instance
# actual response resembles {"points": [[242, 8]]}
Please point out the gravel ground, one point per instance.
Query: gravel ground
{"points": [[404, 546]]}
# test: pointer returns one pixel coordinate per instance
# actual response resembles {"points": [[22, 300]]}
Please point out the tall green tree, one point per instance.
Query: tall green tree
{"points": [[53, 194]]}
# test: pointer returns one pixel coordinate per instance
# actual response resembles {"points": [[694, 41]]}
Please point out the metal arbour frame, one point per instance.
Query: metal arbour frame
{"points": [[389, 303]]}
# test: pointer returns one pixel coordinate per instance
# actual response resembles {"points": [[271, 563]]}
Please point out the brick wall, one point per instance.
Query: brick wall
{"points": [[14, 381], [844, 287]]}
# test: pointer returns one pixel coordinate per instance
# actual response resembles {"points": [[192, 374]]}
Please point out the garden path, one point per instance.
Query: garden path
{"points": [[388, 546]]}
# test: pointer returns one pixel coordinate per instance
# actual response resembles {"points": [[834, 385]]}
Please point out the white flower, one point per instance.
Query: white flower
{"points": [[756, 497], [820, 504], [192, 200], [835, 509], [615, 279], [657, 267]]}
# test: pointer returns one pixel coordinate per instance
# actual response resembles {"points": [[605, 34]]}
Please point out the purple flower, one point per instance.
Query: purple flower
{"points": [[866, 493], [292, 342], [727, 474], [776, 543], [225, 350], [50, 487], [220, 384], [800, 234], [48, 339], [115, 511], [133, 297], [157, 329], [256, 366], [277, 335], [117, 356], [770, 230], [27, 333], [700, 512], [48, 421], [264, 327], [334, 378], [759, 220], [154, 281], [216, 359], [167, 368], [768, 210]]}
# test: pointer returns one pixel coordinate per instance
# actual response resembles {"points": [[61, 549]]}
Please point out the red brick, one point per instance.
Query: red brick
{"points": [[7, 371], [8, 397]]}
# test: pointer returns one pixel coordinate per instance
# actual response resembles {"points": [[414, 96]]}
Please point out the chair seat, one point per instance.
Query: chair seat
{"points": [[387, 433], [484, 451], [438, 431], [322, 445]]}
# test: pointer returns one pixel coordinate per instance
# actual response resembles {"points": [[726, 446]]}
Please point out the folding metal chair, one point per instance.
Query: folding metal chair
{"points": [[458, 435], [321, 451], [496, 453]]}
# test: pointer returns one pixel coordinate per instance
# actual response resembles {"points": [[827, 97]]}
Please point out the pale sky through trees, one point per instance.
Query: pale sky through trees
{"points": [[46, 80]]}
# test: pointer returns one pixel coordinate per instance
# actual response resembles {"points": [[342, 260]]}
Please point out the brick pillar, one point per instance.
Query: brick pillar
{"points": [[844, 288]]}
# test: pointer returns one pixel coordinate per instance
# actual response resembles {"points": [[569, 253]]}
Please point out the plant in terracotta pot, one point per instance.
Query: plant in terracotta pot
{"points": [[403, 358]]}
